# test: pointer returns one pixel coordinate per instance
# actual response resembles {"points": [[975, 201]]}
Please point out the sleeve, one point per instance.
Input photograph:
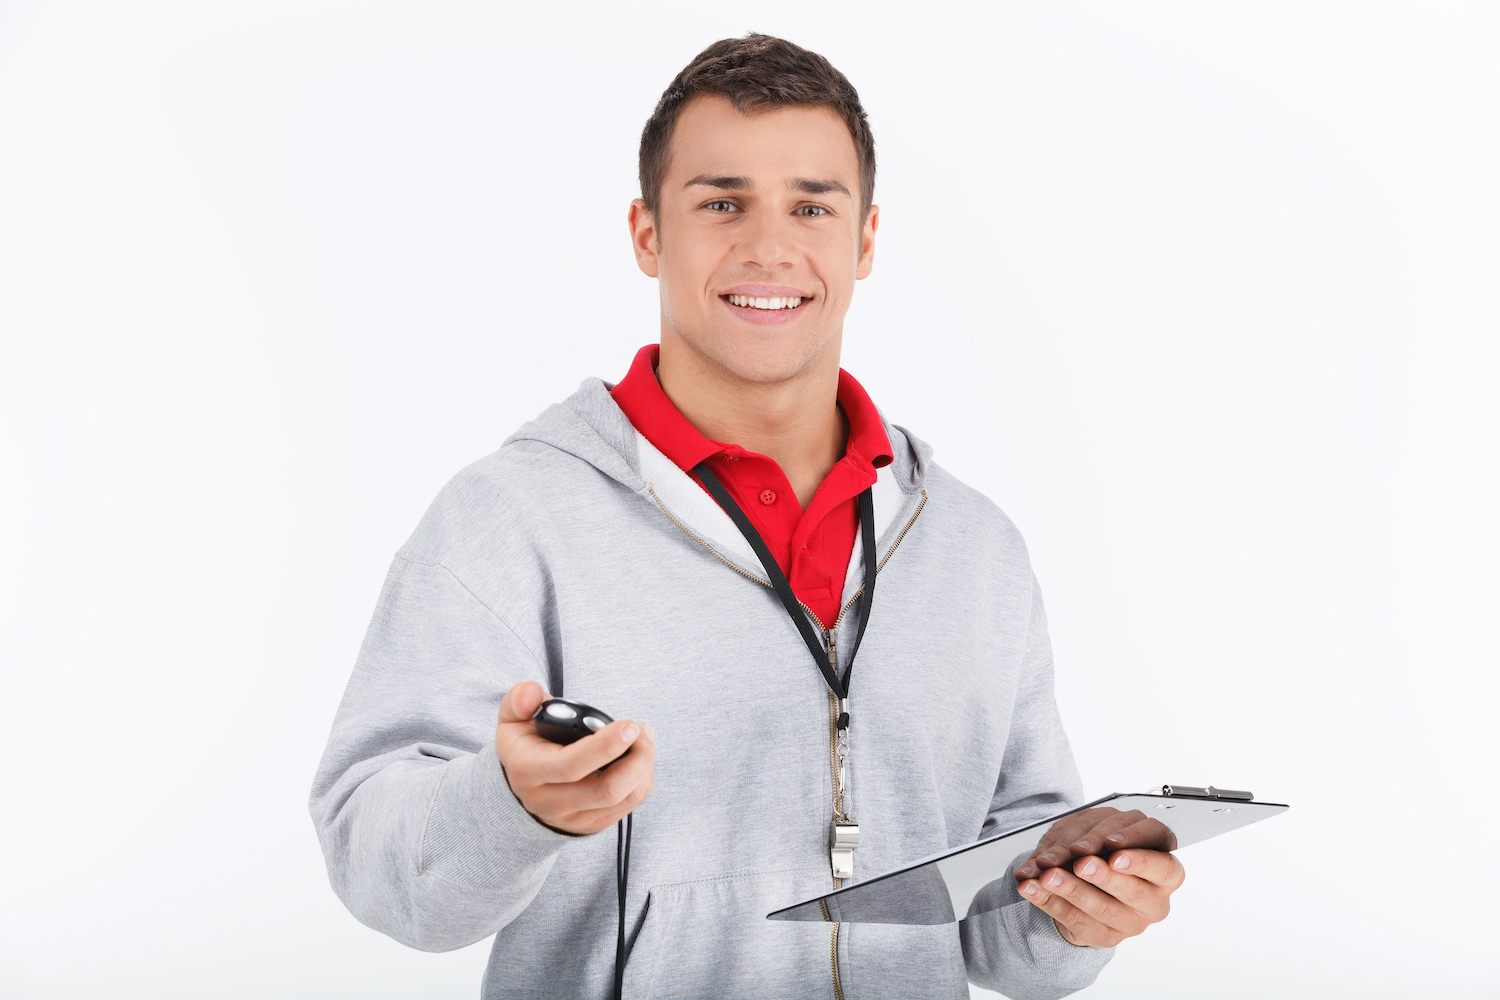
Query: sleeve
{"points": [[423, 838], [1015, 948]]}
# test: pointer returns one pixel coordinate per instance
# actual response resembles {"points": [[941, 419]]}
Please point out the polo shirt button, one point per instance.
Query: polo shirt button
{"points": [[768, 497]]}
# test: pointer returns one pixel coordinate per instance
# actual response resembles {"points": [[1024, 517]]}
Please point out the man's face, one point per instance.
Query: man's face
{"points": [[757, 239]]}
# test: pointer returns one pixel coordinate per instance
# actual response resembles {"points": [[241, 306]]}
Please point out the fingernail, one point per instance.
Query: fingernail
{"points": [[1048, 859], [1122, 861], [1116, 838], [1090, 866], [1027, 872], [629, 733], [1055, 879], [1087, 846], [650, 733], [1029, 888]]}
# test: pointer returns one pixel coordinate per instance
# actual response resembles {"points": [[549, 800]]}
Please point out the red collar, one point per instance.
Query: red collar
{"points": [[640, 395]]}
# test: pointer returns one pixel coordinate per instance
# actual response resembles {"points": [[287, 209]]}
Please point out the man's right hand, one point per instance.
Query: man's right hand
{"points": [[562, 786]]}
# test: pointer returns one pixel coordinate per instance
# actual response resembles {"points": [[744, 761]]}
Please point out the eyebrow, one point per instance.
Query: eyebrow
{"points": [[807, 185], [726, 183]]}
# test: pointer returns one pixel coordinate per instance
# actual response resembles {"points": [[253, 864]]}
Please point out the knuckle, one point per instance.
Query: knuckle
{"points": [[626, 795], [613, 785], [1107, 911], [633, 795], [604, 795], [1073, 917], [573, 771]]}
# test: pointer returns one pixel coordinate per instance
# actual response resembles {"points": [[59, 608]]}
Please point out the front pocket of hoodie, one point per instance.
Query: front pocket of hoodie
{"points": [[711, 938]]}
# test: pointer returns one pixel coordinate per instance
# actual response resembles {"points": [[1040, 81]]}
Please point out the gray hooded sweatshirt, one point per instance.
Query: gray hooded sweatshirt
{"points": [[579, 557]]}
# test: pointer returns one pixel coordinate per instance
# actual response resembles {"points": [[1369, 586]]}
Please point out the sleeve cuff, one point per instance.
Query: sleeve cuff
{"points": [[1048, 951], [1014, 947], [479, 836]]}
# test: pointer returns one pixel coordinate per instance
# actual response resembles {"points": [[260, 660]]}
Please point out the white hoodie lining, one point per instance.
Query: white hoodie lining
{"points": [[689, 503]]}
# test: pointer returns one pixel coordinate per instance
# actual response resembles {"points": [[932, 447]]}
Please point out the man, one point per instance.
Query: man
{"points": [[588, 557]]}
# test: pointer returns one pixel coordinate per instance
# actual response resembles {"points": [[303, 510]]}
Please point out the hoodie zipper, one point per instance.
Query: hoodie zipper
{"points": [[830, 642]]}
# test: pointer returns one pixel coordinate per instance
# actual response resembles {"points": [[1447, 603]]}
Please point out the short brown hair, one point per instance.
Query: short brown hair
{"points": [[756, 73]]}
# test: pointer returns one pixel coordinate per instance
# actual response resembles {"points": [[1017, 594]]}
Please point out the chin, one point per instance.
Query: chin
{"points": [[765, 358]]}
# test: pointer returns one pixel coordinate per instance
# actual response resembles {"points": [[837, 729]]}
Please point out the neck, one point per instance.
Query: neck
{"points": [[796, 422]]}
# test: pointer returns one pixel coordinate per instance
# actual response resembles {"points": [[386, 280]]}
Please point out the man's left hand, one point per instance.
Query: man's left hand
{"points": [[1101, 902]]}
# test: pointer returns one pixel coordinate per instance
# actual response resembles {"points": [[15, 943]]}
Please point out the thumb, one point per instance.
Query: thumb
{"points": [[521, 702]]}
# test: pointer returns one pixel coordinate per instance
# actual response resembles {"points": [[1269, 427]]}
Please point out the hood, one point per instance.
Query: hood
{"points": [[589, 426]]}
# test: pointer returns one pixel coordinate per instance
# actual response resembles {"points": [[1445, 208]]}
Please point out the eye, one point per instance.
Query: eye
{"points": [[811, 211], [721, 205]]}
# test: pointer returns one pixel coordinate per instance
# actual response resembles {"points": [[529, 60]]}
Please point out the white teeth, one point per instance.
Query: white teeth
{"points": [[758, 302]]}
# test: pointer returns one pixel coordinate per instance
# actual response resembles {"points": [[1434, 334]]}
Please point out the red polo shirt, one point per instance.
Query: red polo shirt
{"points": [[812, 546]]}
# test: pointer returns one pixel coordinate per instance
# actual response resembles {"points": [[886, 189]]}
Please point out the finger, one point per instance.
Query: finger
{"points": [[513, 723], [1076, 926], [1146, 898], [608, 788], [1098, 905], [1156, 867], [594, 820], [1150, 834], [1072, 827], [1048, 853], [521, 702], [619, 791], [600, 818], [554, 764], [1094, 839], [1029, 868], [1054, 849], [558, 810], [1085, 835]]}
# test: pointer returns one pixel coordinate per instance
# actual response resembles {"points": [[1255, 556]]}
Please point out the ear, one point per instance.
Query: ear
{"points": [[866, 261], [643, 238]]}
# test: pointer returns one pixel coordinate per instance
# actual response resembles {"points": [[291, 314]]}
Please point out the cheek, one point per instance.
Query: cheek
{"points": [[684, 268], [837, 277], [836, 259], [673, 281]]}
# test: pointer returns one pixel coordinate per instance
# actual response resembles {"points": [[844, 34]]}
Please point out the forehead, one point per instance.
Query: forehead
{"points": [[712, 137]]}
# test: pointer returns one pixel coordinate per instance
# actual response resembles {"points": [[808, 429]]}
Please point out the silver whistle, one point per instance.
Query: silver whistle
{"points": [[841, 849]]}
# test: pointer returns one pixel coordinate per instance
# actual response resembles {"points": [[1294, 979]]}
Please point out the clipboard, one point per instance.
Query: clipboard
{"points": [[952, 885]]}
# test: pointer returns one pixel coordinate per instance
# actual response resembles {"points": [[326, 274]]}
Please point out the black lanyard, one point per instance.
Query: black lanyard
{"points": [[824, 658]]}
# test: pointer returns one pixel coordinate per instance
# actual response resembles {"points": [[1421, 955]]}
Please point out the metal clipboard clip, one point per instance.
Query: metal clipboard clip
{"points": [[1191, 792]]}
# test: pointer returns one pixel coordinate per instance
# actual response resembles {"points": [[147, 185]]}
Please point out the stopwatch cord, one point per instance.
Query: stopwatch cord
{"points": [[622, 880]]}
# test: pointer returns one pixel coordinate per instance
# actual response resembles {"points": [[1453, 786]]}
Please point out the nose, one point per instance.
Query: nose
{"points": [[766, 241]]}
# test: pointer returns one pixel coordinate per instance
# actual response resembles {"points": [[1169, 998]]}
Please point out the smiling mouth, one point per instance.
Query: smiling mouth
{"points": [[767, 303]]}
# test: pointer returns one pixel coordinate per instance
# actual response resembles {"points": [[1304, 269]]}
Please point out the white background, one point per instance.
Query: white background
{"points": [[1204, 295]]}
